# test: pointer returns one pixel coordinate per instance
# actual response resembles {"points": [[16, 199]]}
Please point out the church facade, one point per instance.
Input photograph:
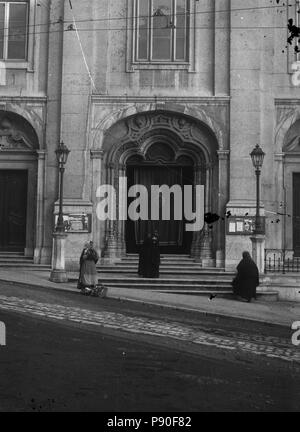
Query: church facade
{"points": [[157, 91]]}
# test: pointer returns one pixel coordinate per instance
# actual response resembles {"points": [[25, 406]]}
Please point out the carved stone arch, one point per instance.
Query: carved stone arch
{"points": [[198, 157], [288, 119], [32, 118], [162, 138], [138, 133], [291, 143], [215, 127], [129, 154], [16, 133]]}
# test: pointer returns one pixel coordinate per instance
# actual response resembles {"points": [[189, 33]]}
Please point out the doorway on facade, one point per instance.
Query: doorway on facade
{"points": [[173, 237], [13, 210], [296, 214]]}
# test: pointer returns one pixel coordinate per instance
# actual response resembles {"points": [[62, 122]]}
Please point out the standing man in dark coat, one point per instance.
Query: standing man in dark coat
{"points": [[155, 257], [149, 258], [247, 278], [145, 256]]}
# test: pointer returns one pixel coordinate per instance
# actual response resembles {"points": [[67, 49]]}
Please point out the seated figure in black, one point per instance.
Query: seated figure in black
{"points": [[247, 278]]}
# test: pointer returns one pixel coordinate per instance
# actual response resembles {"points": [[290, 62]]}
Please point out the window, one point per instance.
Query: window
{"points": [[162, 30], [13, 30]]}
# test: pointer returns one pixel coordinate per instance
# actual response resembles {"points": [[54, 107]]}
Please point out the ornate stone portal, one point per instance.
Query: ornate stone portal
{"points": [[162, 137], [19, 150]]}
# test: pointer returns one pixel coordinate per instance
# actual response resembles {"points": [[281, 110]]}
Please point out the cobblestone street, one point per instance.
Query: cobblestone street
{"points": [[271, 347]]}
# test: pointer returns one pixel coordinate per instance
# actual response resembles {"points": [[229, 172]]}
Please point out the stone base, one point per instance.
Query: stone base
{"points": [[220, 259], [208, 262], [258, 251], [58, 276]]}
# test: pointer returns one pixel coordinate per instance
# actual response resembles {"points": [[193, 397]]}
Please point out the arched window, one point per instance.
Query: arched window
{"points": [[14, 17], [162, 28]]}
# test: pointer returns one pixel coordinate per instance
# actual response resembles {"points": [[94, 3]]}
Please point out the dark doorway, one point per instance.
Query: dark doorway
{"points": [[296, 214], [13, 209], [172, 234]]}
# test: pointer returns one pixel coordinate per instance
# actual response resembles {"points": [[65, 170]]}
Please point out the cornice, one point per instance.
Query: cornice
{"points": [[213, 100]]}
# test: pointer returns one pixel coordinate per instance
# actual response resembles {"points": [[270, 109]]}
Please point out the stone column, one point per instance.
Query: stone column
{"points": [[281, 196], [206, 253], [40, 210], [97, 158], [111, 252], [122, 205], [223, 197], [258, 251], [195, 248], [58, 272]]}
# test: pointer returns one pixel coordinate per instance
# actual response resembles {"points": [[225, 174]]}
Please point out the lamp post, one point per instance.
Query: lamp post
{"points": [[62, 153], [258, 238], [257, 156], [58, 271]]}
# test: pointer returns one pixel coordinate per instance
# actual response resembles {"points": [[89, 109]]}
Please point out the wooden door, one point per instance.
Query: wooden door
{"points": [[13, 209]]}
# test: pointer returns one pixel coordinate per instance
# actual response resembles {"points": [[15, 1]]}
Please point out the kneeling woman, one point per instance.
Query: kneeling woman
{"points": [[88, 277]]}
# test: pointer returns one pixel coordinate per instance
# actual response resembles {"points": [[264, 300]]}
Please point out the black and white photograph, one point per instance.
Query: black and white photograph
{"points": [[149, 209]]}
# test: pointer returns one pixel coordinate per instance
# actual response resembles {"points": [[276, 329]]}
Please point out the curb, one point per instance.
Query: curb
{"points": [[202, 312]]}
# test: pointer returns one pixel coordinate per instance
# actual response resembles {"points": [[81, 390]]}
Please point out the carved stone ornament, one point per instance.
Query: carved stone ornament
{"points": [[12, 139], [139, 125]]}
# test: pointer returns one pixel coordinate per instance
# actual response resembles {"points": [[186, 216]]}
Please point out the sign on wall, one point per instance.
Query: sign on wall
{"points": [[240, 225], [76, 223]]}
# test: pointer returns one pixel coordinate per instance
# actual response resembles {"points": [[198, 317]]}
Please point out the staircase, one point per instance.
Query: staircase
{"points": [[179, 274], [9, 260]]}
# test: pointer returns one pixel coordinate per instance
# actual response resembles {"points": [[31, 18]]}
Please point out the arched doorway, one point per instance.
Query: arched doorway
{"points": [[160, 166], [18, 184], [168, 148], [291, 186]]}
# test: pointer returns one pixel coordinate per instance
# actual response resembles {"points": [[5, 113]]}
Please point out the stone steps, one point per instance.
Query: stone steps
{"points": [[164, 272], [179, 274], [10, 260], [167, 281]]}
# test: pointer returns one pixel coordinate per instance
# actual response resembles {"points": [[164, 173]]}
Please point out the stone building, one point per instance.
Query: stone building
{"points": [[173, 91]]}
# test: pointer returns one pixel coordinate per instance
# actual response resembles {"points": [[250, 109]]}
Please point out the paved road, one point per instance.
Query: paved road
{"points": [[48, 366], [68, 352], [268, 346]]}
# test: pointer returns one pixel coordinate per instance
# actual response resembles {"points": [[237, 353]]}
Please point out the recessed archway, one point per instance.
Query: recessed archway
{"points": [[291, 183], [18, 183], [172, 140]]}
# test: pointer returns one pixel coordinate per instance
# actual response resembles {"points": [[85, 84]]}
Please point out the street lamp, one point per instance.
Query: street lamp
{"points": [[58, 271], [257, 156], [62, 153]]}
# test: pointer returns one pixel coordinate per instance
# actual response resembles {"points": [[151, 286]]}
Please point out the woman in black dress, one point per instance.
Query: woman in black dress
{"points": [[149, 258], [247, 278]]}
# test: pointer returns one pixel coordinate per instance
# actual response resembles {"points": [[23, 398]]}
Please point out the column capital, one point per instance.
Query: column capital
{"points": [[208, 165], [198, 167], [223, 154], [41, 154], [97, 154], [279, 157]]}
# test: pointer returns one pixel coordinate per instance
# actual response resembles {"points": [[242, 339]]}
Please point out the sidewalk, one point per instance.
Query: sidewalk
{"points": [[278, 313]]}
